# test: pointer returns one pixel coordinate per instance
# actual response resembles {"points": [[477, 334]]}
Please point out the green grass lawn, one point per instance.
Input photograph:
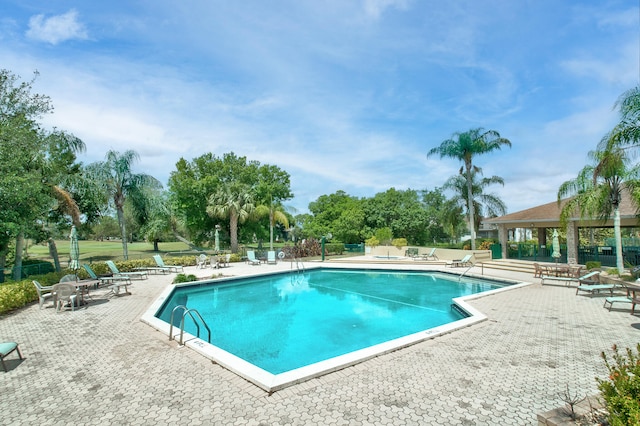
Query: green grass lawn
{"points": [[91, 251]]}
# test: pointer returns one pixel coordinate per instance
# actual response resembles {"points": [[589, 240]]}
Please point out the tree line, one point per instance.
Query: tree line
{"points": [[44, 190]]}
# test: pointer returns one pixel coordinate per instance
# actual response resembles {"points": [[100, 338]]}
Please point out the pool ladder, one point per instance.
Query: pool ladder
{"points": [[191, 313], [299, 265], [465, 271]]}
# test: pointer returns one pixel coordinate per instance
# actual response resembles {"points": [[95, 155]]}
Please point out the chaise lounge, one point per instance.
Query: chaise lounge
{"points": [[590, 286], [251, 258], [584, 279], [465, 261], [170, 268], [106, 279], [427, 256], [141, 275]]}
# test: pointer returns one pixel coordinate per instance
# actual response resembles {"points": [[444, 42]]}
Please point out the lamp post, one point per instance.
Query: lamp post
{"points": [[322, 241], [217, 238]]}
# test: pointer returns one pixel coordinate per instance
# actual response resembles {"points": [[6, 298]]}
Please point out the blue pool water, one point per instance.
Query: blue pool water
{"points": [[286, 321]]}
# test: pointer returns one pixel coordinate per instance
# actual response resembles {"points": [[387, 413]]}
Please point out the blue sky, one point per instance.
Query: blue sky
{"points": [[343, 95]]}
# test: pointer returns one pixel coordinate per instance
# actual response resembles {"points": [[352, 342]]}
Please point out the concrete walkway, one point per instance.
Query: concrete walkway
{"points": [[101, 365]]}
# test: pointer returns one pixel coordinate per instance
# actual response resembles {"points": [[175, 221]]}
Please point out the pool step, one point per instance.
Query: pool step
{"points": [[511, 265]]}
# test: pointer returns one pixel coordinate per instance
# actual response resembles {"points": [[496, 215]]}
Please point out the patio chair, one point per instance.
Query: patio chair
{"points": [[251, 258], [5, 349], [201, 261], [537, 270], [142, 275], [161, 264], [271, 257], [44, 292], [65, 294], [105, 279], [584, 279], [465, 261]]}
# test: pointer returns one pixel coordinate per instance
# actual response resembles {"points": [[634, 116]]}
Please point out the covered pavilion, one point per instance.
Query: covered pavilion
{"points": [[547, 216]]}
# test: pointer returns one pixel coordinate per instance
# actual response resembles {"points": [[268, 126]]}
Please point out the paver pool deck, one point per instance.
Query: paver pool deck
{"points": [[102, 365]]}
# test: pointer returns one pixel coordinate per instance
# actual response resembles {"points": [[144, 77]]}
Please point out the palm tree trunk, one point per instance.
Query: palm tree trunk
{"points": [[53, 252], [270, 228], [618, 236], [233, 231], [471, 208], [123, 233], [17, 266]]}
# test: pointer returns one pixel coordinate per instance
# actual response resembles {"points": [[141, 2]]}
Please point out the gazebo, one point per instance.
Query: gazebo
{"points": [[547, 216]]}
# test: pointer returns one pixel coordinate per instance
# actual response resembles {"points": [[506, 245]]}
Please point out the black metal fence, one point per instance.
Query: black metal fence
{"points": [[606, 255]]}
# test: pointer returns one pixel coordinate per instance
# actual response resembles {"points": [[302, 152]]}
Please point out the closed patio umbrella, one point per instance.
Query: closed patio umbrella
{"points": [[556, 246], [74, 251]]}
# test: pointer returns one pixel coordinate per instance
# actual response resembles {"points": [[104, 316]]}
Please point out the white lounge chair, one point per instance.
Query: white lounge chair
{"points": [[592, 287], [251, 258], [616, 299], [427, 256], [271, 257], [170, 268], [105, 279], [568, 280], [465, 261], [142, 275]]}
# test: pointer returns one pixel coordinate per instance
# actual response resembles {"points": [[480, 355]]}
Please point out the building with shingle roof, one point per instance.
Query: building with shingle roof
{"points": [[547, 216]]}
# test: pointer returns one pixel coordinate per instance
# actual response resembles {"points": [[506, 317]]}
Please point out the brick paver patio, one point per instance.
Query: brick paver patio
{"points": [[102, 365]]}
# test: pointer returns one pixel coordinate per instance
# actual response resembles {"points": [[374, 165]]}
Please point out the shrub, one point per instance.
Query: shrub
{"points": [[613, 271], [399, 242], [372, 242], [182, 278], [14, 295], [485, 245], [592, 264], [621, 392], [334, 248]]}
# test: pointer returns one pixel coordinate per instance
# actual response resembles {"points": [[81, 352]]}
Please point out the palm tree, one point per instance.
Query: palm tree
{"points": [[627, 132], [117, 181], [485, 205], [276, 213], [597, 191], [235, 201], [464, 147]]}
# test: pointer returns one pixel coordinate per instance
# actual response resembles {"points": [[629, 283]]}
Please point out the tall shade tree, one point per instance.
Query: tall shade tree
{"points": [[485, 204], [235, 201], [117, 181], [193, 182], [464, 147], [597, 191], [34, 165], [273, 187]]}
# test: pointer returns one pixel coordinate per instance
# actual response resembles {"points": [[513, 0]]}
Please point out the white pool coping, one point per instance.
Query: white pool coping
{"points": [[273, 382]]}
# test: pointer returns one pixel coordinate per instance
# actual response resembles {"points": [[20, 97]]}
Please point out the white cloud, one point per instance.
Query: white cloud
{"points": [[375, 8], [56, 28]]}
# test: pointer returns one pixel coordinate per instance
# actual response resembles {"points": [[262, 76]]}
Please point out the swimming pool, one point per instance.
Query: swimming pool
{"points": [[279, 329]]}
